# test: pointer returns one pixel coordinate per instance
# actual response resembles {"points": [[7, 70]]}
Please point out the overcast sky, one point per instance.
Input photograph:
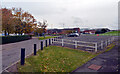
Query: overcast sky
{"points": [[71, 13]]}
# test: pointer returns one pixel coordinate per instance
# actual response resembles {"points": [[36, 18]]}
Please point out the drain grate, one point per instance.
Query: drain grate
{"points": [[94, 67]]}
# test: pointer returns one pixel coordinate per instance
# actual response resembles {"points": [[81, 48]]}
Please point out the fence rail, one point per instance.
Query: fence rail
{"points": [[94, 46]]}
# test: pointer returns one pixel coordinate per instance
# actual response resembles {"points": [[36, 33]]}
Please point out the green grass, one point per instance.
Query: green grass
{"points": [[109, 47], [55, 59], [113, 33], [46, 37]]}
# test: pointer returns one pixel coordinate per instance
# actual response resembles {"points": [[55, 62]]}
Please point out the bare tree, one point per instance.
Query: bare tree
{"points": [[43, 26]]}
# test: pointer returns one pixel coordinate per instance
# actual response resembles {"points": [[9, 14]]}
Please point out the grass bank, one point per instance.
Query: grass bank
{"points": [[56, 59], [113, 33], [46, 37]]}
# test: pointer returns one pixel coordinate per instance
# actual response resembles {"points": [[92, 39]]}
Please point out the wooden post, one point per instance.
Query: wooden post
{"points": [[101, 44], [34, 49], [22, 56], [41, 45], [113, 38], [62, 43], [96, 47], [75, 44], [106, 43], [110, 40]]}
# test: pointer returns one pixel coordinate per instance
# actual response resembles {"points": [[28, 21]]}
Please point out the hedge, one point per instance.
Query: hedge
{"points": [[12, 39]]}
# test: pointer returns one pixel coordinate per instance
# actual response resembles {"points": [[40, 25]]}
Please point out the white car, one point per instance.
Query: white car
{"points": [[73, 35]]}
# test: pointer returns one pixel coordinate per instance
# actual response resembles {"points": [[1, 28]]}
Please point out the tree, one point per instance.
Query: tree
{"points": [[29, 22], [43, 26], [0, 21], [25, 22], [7, 20], [68, 31], [38, 31]]}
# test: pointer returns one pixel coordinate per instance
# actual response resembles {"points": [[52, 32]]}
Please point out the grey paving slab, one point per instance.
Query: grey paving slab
{"points": [[108, 61]]}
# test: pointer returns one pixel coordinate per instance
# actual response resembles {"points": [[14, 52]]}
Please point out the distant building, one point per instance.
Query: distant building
{"points": [[102, 30], [63, 31], [95, 31], [89, 32]]}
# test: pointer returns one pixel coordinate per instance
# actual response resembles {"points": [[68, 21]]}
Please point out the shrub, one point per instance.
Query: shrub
{"points": [[12, 39]]}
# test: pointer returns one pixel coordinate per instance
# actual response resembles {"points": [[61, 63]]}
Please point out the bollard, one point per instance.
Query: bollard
{"points": [[52, 40], [96, 47], [46, 43], [49, 42], [62, 43], [41, 45], [56, 39], [22, 56], [34, 49]]}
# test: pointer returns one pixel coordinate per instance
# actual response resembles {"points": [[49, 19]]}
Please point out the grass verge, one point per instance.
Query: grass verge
{"points": [[56, 59], [113, 33], [109, 47], [47, 37]]}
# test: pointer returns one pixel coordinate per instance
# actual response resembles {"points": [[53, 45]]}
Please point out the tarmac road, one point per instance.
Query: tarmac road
{"points": [[11, 52]]}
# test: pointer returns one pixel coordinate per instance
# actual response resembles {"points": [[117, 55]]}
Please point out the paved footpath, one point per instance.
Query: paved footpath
{"points": [[108, 62], [11, 52]]}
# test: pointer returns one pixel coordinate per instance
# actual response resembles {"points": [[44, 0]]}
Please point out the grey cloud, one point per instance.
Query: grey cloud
{"points": [[84, 13], [77, 20]]}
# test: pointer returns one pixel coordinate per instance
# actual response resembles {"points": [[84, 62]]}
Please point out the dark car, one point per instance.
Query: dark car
{"points": [[73, 35]]}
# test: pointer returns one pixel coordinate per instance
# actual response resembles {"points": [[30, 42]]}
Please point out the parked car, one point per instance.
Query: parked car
{"points": [[73, 35]]}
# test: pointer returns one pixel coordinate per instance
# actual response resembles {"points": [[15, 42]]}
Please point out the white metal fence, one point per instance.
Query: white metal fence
{"points": [[93, 45]]}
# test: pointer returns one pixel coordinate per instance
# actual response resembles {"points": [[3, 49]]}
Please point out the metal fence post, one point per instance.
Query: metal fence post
{"points": [[75, 44], [41, 45], [22, 56], [62, 43], [46, 43], [34, 49], [101, 44], [96, 47]]}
